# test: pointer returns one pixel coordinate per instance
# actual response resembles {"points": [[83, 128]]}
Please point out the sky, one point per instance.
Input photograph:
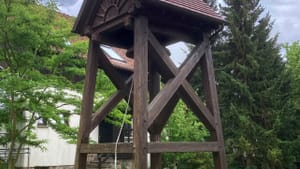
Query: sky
{"points": [[284, 13]]}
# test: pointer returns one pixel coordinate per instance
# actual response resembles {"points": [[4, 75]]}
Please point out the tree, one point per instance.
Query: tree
{"points": [[290, 141], [184, 126], [38, 67], [252, 86], [293, 65]]}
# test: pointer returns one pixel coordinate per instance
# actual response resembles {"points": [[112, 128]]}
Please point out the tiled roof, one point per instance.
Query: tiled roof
{"points": [[197, 6], [128, 63]]}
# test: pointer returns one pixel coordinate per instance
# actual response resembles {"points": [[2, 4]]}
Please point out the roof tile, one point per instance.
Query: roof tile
{"points": [[197, 6]]}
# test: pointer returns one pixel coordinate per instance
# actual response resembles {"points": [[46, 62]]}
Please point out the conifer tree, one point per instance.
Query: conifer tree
{"points": [[252, 86]]}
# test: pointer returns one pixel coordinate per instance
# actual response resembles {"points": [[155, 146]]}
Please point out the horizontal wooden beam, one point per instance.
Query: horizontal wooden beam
{"points": [[121, 21], [106, 148], [153, 147], [182, 147]]}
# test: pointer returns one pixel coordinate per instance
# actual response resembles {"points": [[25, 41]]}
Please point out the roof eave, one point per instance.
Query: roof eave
{"points": [[215, 20], [85, 15]]}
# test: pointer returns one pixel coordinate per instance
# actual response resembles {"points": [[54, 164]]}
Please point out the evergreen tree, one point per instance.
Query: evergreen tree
{"points": [[252, 87]]}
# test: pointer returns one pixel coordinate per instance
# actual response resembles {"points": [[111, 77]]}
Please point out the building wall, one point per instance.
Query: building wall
{"points": [[58, 152]]}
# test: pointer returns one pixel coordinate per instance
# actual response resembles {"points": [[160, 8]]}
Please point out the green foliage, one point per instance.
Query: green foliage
{"points": [[184, 126], [104, 89], [290, 141], [293, 65], [40, 68], [254, 88]]}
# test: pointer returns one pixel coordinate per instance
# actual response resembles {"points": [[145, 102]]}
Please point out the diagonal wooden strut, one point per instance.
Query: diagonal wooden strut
{"points": [[179, 82], [118, 81], [111, 103]]}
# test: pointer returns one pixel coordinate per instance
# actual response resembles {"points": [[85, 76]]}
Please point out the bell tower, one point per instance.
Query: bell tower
{"points": [[144, 28]]}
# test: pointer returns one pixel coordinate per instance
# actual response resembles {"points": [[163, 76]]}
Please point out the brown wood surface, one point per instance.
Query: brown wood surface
{"points": [[140, 92], [155, 135], [193, 101], [106, 148], [108, 106], [110, 9], [210, 89], [87, 104], [117, 23], [163, 117], [182, 147]]}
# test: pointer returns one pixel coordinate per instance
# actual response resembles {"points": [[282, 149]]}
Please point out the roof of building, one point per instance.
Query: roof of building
{"points": [[197, 6], [126, 64]]}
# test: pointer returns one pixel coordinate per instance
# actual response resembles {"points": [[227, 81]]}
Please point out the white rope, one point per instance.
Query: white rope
{"points": [[122, 126]]}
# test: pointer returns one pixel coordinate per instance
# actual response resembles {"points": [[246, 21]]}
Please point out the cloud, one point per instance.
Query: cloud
{"points": [[70, 7], [285, 14], [67, 3]]}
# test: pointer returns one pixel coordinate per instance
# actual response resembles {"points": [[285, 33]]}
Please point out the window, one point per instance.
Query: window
{"points": [[111, 53]]}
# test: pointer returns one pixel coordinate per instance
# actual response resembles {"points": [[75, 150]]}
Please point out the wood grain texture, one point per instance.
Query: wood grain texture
{"points": [[87, 104], [182, 147], [106, 148], [111, 103], [155, 135], [179, 80], [140, 91], [210, 89]]}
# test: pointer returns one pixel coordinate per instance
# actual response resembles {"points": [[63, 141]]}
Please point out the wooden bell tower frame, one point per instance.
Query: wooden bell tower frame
{"points": [[151, 105]]}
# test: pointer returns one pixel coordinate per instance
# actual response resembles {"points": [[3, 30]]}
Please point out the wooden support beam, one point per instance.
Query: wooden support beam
{"points": [[120, 22], [157, 105], [164, 116], [87, 104], [140, 91], [155, 135], [210, 89], [106, 108], [182, 147], [193, 101], [106, 148], [111, 103]]}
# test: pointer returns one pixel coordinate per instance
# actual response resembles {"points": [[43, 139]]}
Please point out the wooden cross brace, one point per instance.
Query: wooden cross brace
{"points": [[151, 114]]}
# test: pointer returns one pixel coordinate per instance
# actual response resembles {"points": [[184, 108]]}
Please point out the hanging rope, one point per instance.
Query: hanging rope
{"points": [[122, 126]]}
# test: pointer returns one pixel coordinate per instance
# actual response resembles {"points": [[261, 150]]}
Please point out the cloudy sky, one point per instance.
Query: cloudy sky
{"points": [[285, 13]]}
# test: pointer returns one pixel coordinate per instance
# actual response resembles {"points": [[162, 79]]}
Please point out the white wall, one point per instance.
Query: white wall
{"points": [[58, 153]]}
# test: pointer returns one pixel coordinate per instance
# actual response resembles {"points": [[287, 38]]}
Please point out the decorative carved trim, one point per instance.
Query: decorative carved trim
{"points": [[110, 9]]}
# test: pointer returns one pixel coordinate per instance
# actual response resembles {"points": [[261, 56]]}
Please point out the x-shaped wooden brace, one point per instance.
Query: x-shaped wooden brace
{"points": [[121, 84], [178, 85]]}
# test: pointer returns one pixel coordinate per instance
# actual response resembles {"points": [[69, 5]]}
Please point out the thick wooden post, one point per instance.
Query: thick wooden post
{"points": [[210, 89], [140, 91], [87, 104], [155, 136]]}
